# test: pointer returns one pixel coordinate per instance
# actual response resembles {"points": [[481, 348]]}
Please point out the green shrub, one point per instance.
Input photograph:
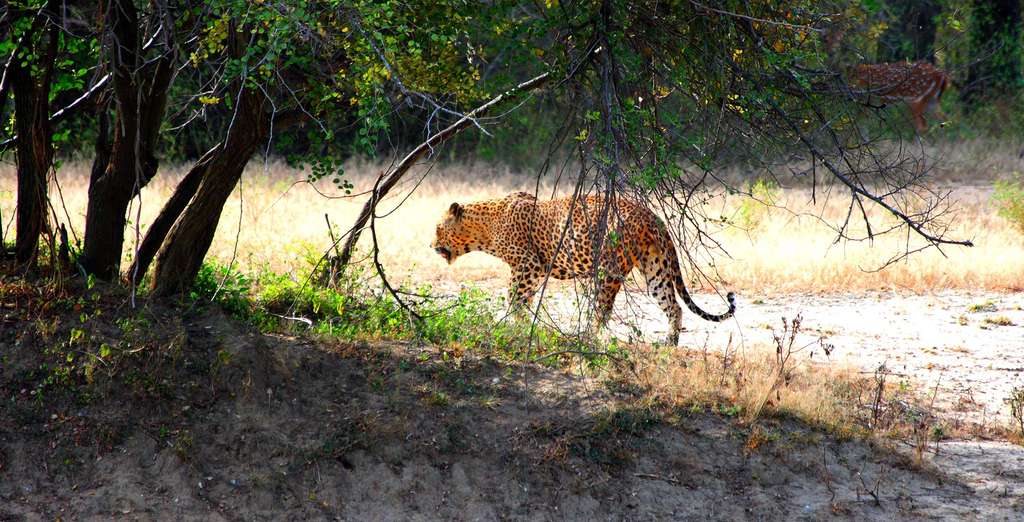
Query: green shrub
{"points": [[1008, 197], [225, 286], [763, 194], [357, 308]]}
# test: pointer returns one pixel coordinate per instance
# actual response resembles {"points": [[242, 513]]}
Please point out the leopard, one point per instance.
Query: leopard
{"points": [[570, 238]]}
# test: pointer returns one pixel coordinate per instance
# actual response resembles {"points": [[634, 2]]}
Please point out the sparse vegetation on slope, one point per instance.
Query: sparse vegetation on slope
{"points": [[108, 410]]}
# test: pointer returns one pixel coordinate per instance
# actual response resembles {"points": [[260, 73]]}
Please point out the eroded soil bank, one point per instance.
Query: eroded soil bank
{"points": [[222, 423]]}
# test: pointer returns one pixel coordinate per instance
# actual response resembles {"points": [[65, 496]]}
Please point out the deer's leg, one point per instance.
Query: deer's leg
{"points": [[936, 107], [917, 115]]}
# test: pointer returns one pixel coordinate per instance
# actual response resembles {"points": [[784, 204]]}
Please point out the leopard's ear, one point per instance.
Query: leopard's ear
{"points": [[456, 211]]}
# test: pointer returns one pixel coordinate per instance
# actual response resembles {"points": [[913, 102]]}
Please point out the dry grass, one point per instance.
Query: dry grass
{"points": [[791, 250], [794, 377], [785, 250], [751, 383]]}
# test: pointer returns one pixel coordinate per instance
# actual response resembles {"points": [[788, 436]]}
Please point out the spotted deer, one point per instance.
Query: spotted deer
{"points": [[919, 84]]}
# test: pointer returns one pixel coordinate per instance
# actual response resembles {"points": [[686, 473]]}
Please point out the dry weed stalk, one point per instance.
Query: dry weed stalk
{"points": [[872, 491], [781, 372], [876, 404], [1016, 403]]}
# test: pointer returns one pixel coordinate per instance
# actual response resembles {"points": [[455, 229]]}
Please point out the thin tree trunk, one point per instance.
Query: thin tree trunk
{"points": [[158, 230], [338, 263], [185, 247], [101, 149], [183, 250]]}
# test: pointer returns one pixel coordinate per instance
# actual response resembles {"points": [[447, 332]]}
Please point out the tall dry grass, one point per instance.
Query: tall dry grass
{"points": [[791, 249], [276, 221]]}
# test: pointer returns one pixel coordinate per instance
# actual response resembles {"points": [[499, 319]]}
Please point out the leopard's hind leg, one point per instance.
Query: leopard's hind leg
{"points": [[660, 276]]}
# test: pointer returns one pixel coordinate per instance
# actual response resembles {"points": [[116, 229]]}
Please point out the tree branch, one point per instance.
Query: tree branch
{"points": [[68, 110], [338, 263], [858, 189]]}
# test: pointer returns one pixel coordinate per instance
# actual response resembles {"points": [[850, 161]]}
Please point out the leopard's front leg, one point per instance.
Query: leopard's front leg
{"points": [[526, 280]]}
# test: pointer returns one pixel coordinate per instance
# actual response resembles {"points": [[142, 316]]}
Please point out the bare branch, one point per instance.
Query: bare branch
{"points": [[70, 109], [390, 179]]}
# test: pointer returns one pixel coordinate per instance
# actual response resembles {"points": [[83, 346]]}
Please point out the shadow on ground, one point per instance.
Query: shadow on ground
{"points": [[212, 421]]}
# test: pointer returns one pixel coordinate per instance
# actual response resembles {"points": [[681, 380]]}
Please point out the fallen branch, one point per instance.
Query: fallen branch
{"points": [[651, 476]]}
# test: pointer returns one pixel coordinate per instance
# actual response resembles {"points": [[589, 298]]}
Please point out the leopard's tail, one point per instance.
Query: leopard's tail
{"points": [[681, 290], [673, 261]]}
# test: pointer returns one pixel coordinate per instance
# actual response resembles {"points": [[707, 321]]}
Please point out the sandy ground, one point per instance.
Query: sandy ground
{"points": [[966, 350], [970, 360], [935, 341]]}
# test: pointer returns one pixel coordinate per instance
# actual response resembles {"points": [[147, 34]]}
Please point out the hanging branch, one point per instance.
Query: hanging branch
{"points": [[339, 262]]}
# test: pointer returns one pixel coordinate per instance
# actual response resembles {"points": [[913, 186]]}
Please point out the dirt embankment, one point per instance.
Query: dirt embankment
{"points": [[216, 422]]}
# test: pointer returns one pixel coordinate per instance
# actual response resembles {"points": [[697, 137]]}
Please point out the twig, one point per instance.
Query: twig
{"points": [[609, 355], [380, 271], [826, 476], [651, 476], [303, 320], [330, 232], [755, 19]]}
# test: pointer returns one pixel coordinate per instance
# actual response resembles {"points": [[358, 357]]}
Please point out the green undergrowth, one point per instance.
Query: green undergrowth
{"points": [[359, 308], [1008, 197]]}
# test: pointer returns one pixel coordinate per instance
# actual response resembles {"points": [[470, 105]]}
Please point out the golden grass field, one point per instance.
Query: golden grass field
{"points": [[276, 221]]}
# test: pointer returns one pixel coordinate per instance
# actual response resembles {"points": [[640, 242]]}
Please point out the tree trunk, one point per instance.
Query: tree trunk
{"points": [[30, 83], [183, 193], [186, 245], [140, 95], [995, 50], [101, 149], [35, 154]]}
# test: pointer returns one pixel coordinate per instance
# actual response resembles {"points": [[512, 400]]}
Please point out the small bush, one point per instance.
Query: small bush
{"points": [[1008, 197], [999, 320], [225, 286], [987, 306], [763, 194]]}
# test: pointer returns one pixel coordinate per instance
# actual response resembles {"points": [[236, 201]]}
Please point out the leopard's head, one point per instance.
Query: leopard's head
{"points": [[453, 237]]}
